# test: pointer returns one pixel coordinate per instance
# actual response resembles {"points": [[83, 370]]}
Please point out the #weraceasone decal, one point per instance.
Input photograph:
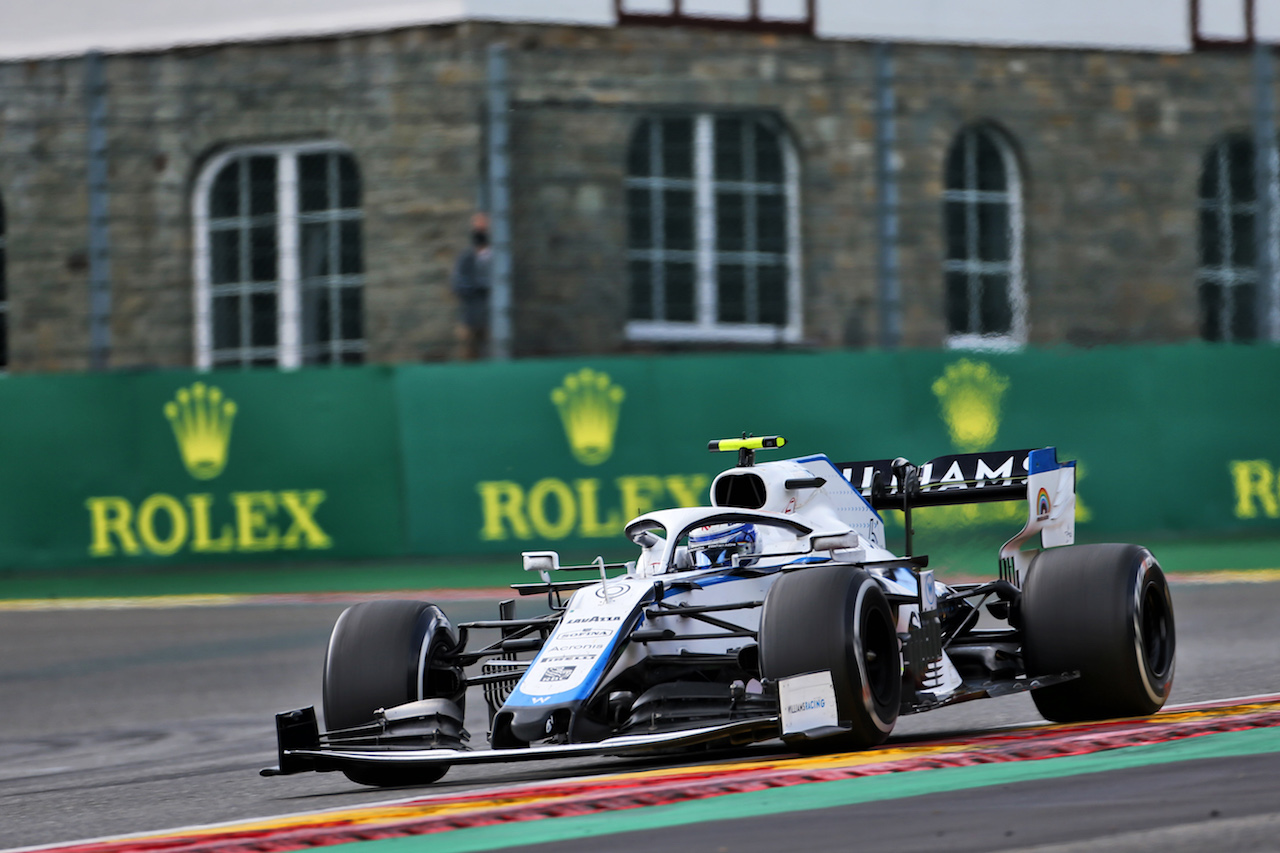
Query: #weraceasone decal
{"points": [[161, 524]]}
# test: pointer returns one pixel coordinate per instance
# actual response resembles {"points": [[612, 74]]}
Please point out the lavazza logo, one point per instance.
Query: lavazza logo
{"points": [[205, 522]]}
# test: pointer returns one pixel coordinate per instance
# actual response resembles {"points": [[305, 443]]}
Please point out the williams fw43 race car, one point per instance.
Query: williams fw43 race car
{"points": [[776, 612]]}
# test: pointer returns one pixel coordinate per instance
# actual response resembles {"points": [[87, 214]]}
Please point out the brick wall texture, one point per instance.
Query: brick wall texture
{"points": [[1110, 146]]}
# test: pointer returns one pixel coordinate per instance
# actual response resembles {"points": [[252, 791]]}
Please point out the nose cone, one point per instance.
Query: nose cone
{"points": [[535, 724]]}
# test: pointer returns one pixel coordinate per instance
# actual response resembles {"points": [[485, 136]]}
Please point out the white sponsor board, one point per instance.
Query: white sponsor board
{"points": [[808, 703]]}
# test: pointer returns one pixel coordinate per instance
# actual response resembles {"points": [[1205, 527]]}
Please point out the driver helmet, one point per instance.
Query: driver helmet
{"points": [[715, 544]]}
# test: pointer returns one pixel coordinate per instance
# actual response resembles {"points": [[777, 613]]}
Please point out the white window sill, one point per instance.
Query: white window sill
{"points": [[650, 331], [986, 343]]}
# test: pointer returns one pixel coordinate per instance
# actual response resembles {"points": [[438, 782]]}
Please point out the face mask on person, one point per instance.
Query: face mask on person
{"points": [[480, 239]]}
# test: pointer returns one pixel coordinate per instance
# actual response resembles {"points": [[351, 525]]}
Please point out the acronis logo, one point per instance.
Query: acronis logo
{"points": [[589, 404]]}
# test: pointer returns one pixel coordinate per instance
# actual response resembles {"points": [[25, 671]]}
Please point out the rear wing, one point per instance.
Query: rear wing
{"points": [[964, 478], [1036, 476]]}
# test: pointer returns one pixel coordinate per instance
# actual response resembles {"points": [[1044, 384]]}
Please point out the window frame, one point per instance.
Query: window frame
{"points": [[4, 291], [1227, 275], [972, 265], [751, 18], [706, 327], [1244, 39], [290, 348]]}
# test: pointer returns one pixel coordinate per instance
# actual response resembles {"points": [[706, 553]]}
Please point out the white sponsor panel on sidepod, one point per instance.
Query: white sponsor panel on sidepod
{"points": [[588, 628]]}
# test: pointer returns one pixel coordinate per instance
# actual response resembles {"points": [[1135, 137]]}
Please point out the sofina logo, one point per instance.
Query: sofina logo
{"points": [[201, 419], [589, 404], [969, 393]]}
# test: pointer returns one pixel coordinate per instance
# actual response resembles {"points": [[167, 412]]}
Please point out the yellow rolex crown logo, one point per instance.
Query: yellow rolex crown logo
{"points": [[201, 420], [969, 393], [589, 404]]}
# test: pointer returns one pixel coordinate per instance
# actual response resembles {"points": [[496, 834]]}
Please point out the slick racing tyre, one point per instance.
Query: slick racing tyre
{"points": [[382, 654], [836, 619], [1104, 610]]}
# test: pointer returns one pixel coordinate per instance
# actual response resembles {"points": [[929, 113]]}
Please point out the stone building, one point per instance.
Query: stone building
{"points": [[676, 182]]}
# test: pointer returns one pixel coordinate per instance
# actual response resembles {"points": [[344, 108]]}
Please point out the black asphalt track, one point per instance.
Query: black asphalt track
{"points": [[134, 720], [1223, 805]]}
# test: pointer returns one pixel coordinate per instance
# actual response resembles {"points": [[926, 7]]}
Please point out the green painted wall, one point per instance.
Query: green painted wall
{"points": [[94, 472], [1168, 438], [496, 458]]}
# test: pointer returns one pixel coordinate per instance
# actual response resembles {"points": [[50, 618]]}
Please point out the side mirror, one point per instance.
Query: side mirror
{"points": [[834, 542], [542, 562], [645, 539]]}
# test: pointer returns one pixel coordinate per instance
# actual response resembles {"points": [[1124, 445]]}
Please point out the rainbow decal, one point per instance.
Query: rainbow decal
{"points": [[1042, 505]]}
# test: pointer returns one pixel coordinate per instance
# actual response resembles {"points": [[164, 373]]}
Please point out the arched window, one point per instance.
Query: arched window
{"points": [[713, 230], [279, 258], [1228, 276], [4, 296], [982, 216]]}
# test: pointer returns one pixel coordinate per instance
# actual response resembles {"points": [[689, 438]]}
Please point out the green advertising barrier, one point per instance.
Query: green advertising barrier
{"points": [[541, 454], [181, 468]]}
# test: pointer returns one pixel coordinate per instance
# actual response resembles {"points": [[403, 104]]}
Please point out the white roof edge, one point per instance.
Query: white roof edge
{"points": [[69, 48], [53, 29], [354, 22], [1014, 44]]}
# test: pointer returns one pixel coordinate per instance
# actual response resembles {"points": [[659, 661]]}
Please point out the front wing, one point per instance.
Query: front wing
{"points": [[301, 748]]}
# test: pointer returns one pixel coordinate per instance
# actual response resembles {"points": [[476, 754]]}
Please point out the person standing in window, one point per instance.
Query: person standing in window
{"points": [[471, 284]]}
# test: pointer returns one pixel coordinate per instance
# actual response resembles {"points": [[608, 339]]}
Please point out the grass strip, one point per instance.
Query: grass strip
{"points": [[950, 559]]}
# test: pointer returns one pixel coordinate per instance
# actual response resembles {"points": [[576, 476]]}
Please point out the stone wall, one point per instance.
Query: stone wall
{"points": [[1110, 143]]}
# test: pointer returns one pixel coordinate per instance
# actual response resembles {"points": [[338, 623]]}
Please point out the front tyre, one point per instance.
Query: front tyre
{"points": [[1104, 610], [836, 619], [382, 654]]}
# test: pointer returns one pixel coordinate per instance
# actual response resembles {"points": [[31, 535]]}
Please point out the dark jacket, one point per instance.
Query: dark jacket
{"points": [[471, 284]]}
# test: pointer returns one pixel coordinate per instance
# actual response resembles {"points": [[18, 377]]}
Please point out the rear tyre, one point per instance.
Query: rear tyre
{"points": [[836, 619], [1104, 610], [380, 655]]}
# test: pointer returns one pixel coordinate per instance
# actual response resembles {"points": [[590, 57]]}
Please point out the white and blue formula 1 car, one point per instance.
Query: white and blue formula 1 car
{"points": [[776, 612]]}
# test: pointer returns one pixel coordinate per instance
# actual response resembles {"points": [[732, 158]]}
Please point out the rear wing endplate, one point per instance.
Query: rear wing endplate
{"points": [[1036, 476]]}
